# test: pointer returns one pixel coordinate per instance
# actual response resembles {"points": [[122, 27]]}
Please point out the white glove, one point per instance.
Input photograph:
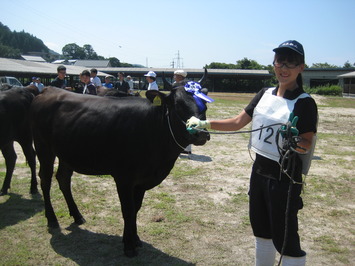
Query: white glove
{"points": [[194, 122]]}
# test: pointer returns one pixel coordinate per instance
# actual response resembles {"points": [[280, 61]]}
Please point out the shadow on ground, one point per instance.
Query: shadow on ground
{"points": [[89, 248], [196, 157], [16, 209]]}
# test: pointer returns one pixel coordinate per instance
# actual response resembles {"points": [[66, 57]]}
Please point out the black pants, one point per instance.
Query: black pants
{"points": [[267, 207]]}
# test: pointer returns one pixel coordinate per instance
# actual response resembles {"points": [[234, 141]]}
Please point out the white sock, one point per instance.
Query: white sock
{"points": [[293, 261], [265, 252]]}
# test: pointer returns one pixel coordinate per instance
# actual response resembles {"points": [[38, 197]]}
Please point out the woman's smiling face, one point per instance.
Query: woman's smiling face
{"points": [[287, 71]]}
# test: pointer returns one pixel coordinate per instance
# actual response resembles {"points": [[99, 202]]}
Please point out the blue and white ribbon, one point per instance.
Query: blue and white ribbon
{"points": [[195, 89]]}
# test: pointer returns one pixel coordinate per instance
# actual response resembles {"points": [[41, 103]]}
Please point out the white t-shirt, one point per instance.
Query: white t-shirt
{"points": [[96, 81], [153, 86]]}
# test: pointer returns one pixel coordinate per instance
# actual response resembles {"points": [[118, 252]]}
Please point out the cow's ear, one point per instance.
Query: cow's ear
{"points": [[155, 97]]}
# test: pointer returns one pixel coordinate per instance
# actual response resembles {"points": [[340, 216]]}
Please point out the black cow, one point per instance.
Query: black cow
{"points": [[100, 135], [15, 126], [103, 91]]}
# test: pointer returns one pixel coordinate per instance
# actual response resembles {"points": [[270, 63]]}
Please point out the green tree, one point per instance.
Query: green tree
{"points": [[73, 51], [323, 65], [347, 64], [89, 52], [13, 44], [8, 52], [216, 65], [114, 62], [246, 63]]}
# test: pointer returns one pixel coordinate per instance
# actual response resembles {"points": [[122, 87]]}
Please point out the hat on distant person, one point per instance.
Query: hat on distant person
{"points": [[181, 73], [33, 78], [151, 74], [291, 44]]}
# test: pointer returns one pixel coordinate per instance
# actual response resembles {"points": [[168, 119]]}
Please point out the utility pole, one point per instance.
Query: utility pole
{"points": [[178, 60]]}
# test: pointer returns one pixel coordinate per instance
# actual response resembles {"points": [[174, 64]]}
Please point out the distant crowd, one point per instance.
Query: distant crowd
{"points": [[90, 83]]}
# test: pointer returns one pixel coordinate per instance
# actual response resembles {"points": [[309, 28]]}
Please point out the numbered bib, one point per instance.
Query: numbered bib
{"points": [[271, 109]]}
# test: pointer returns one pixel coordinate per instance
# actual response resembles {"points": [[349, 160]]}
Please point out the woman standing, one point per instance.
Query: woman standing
{"points": [[274, 194]]}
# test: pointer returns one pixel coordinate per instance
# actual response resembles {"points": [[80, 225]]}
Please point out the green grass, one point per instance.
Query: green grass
{"points": [[331, 101], [329, 244], [182, 171]]}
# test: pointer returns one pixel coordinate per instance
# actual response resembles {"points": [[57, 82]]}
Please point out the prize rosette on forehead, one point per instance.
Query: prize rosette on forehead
{"points": [[200, 98]]}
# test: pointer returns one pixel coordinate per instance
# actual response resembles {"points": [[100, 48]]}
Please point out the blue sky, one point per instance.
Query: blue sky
{"points": [[152, 32]]}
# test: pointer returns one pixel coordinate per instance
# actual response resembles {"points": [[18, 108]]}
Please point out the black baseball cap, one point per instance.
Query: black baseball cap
{"points": [[291, 44]]}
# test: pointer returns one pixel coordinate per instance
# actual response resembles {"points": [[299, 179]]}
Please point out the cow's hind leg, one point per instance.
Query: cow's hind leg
{"points": [[138, 200], [10, 156], [31, 160], [64, 174]]}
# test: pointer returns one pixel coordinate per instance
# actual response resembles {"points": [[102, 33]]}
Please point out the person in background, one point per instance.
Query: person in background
{"points": [[60, 81], [179, 78], [275, 192], [151, 79], [131, 85], [40, 85], [94, 78], [108, 84], [34, 83], [122, 85], [89, 87]]}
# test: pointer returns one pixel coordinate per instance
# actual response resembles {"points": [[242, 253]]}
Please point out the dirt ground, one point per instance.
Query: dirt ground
{"points": [[199, 214]]}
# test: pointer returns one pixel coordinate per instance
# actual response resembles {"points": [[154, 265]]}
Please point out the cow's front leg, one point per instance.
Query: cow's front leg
{"points": [[126, 195], [46, 173]]}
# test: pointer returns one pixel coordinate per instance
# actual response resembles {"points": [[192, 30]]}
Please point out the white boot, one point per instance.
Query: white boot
{"points": [[265, 252], [293, 261]]}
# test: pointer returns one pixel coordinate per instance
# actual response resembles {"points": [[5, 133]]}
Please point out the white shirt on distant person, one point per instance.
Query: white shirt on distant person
{"points": [[153, 86]]}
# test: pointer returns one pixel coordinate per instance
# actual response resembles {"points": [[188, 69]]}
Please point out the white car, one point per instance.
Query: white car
{"points": [[11, 81]]}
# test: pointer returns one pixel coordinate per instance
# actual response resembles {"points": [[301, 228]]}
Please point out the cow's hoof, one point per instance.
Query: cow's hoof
{"points": [[139, 243], [130, 253], [80, 221], [3, 192], [34, 191], [53, 224]]}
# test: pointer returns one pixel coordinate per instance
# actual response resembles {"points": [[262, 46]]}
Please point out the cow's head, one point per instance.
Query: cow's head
{"points": [[179, 105]]}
